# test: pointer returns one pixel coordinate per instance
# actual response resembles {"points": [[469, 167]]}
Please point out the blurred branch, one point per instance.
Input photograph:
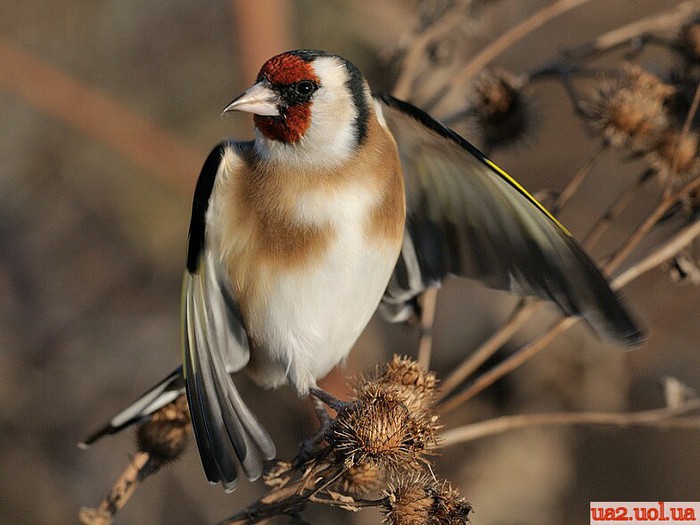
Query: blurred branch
{"points": [[659, 256], [416, 51], [92, 112], [427, 319], [656, 22], [261, 29], [124, 487], [513, 362], [522, 312], [575, 182], [660, 418], [614, 210], [501, 44], [646, 226], [684, 132]]}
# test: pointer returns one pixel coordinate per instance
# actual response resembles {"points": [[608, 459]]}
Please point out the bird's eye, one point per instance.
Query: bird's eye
{"points": [[305, 87]]}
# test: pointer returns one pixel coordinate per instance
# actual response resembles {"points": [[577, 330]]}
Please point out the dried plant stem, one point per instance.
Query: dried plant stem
{"points": [[656, 22], [498, 46], [659, 256], [575, 182], [123, 488], [427, 318], [691, 115], [661, 418], [287, 500], [620, 36], [92, 112], [616, 208], [684, 132], [522, 312], [416, 53], [646, 226], [526, 352], [273, 504]]}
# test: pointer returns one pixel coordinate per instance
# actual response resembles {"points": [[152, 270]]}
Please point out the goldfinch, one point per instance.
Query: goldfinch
{"points": [[342, 203]]}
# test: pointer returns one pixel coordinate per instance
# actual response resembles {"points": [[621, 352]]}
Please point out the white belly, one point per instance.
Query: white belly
{"points": [[315, 314]]}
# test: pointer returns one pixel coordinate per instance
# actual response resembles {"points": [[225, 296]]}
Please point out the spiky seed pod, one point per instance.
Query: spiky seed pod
{"points": [[628, 110], [675, 157], [362, 479], [409, 502], [378, 427], [166, 434], [500, 110], [407, 378], [421, 500], [448, 507]]}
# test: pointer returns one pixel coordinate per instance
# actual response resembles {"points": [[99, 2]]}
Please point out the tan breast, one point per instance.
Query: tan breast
{"points": [[278, 221]]}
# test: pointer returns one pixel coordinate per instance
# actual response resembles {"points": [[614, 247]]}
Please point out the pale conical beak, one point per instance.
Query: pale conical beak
{"points": [[260, 99]]}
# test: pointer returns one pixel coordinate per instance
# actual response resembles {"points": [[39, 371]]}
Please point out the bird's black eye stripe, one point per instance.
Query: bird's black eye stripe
{"points": [[299, 92]]}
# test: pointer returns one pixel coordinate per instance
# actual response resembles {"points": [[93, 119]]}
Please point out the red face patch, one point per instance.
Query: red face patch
{"points": [[289, 127], [286, 69], [283, 71]]}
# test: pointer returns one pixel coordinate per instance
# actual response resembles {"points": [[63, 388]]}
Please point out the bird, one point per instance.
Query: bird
{"points": [[343, 204]]}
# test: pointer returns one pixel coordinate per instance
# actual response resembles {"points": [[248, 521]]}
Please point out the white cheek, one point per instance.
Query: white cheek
{"points": [[331, 139]]}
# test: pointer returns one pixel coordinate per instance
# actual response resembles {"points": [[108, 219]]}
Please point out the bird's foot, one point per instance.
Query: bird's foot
{"points": [[320, 399]]}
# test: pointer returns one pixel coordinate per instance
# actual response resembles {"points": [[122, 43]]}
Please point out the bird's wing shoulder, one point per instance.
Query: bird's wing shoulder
{"points": [[215, 344], [467, 217]]}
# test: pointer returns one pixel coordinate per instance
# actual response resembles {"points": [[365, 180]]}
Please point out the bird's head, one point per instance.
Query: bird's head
{"points": [[308, 107]]}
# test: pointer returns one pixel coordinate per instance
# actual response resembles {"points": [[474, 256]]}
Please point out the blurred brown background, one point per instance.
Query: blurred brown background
{"points": [[92, 246]]}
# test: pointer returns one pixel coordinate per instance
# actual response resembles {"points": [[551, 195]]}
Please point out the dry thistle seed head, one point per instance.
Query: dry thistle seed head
{"points": [[362, 479], [500, 109], [407, 378], [629, 110], [379, 427], [675, 157], [448, 507], [166, 434], [421, 500], [409, 501]]}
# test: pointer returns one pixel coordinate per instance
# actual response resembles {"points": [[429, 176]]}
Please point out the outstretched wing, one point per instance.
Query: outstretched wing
{"points": [[467, 217], [215, 344]]}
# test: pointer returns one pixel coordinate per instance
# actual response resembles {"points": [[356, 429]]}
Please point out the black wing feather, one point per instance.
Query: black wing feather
{"points": [[214, 346], [166, 391], [467, 217]]}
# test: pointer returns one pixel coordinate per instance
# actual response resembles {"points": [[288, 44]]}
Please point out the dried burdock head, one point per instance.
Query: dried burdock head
{"points": [[362, 479], [448, 507], [409, 501], [378, 427], [421, 500], [407, 378], [688, 41], [500, 110], [166, 434], [628, 110], [675, 157]]}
